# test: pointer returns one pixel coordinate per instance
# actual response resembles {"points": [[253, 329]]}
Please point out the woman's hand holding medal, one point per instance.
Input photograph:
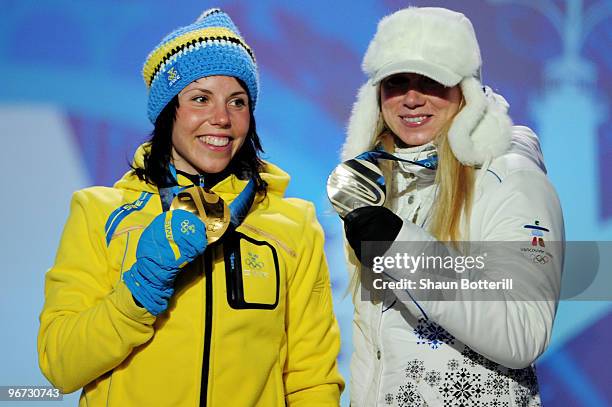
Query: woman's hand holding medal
{"points": [[172, 240]]}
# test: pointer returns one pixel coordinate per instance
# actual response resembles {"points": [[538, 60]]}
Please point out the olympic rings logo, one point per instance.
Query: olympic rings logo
{"points": [[187, 227], [540, 258], [252, 261]]}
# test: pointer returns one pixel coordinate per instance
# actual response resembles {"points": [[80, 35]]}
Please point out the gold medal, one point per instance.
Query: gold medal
{"points": [[208, 206]]}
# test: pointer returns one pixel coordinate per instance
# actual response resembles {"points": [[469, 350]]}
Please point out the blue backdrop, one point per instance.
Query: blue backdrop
{"points": [[72, 111]]}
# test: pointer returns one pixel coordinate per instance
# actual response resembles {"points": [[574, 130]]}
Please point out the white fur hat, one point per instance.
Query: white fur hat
{"points": [[440, 44]]}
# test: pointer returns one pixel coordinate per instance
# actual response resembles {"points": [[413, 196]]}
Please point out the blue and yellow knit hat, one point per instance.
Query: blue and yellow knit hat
{"points": [[212, 45]]}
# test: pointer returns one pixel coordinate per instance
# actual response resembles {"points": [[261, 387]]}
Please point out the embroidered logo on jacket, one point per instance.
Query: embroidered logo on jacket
{"points": [[255, 266], [537, 233], [536, 252]]}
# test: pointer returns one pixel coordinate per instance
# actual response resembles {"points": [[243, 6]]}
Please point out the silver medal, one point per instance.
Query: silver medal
{"points": [[354, 184]]}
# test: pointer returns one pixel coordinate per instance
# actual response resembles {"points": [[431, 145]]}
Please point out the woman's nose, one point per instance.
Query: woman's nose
{"points": [[220, 116], [414, 98]]}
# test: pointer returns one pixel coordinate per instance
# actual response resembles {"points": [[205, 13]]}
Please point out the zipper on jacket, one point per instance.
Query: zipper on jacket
{"points": [[207, 260]]}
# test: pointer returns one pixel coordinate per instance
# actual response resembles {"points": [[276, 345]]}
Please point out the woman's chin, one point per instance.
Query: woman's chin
{"points": [[412, 140], [212, 166]]}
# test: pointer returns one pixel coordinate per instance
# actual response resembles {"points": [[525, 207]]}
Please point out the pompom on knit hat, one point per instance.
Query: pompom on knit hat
{"points": [[440, 44], [212, 45]]}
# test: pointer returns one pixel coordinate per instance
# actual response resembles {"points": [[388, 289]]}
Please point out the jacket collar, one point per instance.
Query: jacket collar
{"points": [[228, 188], [423, 176]]}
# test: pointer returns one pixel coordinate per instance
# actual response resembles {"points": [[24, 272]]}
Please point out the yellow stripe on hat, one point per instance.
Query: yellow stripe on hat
{"points": [[170, 236], [156, 57]]}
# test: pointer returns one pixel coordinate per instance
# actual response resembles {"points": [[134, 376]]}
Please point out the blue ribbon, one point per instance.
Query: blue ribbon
{"points": [[375, 155], [239, 208]]}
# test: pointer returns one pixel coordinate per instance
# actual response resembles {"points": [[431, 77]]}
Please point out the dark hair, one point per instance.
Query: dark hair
{"points": [[245, 164]]}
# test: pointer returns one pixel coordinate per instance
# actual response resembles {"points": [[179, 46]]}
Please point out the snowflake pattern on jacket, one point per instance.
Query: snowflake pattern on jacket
{"points": [[461, 386]]}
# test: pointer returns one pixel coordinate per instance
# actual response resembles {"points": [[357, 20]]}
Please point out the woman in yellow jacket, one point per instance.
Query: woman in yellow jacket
{"points": [[193, 281]]}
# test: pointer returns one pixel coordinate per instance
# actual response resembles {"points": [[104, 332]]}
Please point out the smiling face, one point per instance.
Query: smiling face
{"points": [[211, 124], [416, 108]]}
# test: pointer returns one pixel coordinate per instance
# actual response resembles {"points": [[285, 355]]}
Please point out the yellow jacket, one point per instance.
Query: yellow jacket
{"points": [[274, 341]]}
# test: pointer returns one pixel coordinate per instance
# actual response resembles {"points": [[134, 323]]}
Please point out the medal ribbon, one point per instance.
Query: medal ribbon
{"points": [[239, 208], [373, 156]]}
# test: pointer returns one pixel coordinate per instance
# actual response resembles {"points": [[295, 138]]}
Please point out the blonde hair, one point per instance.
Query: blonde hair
{"points": [[455, 191], [454, 182]]}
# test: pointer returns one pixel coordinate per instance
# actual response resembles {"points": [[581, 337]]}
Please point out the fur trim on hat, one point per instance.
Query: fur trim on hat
{"points": [[440, 44], [434, 42], [482, 129], [362, 124]]}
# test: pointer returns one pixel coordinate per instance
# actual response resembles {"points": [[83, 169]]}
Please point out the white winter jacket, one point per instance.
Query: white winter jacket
{"points": [[465, 352]]}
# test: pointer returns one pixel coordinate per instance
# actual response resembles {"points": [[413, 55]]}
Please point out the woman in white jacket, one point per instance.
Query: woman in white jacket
{"points": [[461, 181]]}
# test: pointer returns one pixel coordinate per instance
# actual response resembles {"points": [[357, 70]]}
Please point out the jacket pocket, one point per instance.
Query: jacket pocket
{"points": [[252, 272]]}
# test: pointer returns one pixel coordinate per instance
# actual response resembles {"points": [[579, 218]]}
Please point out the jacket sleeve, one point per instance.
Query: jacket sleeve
{"points": [[510, 327], [313, 339], [87, 326]]}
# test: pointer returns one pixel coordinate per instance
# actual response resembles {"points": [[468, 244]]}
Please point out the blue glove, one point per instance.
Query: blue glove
{"points": [[172, 240]]}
